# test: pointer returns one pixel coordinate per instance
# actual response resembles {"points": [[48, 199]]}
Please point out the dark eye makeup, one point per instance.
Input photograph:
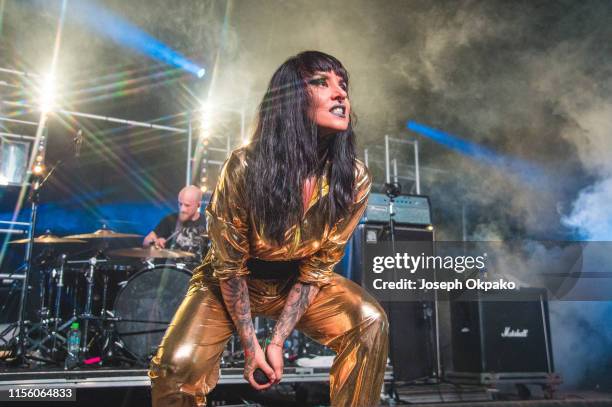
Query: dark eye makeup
{"points": [[318, 81], [323, 81]]}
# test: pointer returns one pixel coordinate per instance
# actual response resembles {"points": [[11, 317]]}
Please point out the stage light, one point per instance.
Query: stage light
{"points": [[95, 17], [524, 170], [203, 188], [47, 94], [205, 122], [38, 169]]}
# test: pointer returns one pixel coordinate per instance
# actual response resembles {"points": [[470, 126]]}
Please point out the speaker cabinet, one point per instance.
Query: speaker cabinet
{"points": [[502, 336], [412, 324]]}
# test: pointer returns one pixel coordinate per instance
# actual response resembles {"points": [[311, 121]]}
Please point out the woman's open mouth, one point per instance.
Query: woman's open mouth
{"points": [[338, 110]]}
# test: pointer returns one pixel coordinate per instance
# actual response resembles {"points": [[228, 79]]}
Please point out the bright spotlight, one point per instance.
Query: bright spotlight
{"points": [[38, 169], [47, 94], [205, 121], [201, 73], [94, 16]]}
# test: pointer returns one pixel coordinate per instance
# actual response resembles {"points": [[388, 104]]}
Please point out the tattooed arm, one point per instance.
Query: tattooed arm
{"points": [[298, 300], [236, 298]]}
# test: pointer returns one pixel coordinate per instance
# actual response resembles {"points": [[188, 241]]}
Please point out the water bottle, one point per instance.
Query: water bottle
{"points": [[74, 343]]}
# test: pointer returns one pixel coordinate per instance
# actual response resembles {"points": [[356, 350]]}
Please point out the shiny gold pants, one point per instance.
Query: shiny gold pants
{"points": [[343, 317]]}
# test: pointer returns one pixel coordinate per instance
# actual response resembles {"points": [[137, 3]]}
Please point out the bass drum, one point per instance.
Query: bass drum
{"points": [[146, 305]]}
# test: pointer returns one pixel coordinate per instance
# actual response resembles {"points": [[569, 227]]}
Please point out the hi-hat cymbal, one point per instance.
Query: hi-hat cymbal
{"points": [[104, 234], [48, 238], [150, 252]]}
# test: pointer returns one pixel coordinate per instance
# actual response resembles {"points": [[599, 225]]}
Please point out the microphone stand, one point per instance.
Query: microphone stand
{"points": [[392, 190], [20, 351]]}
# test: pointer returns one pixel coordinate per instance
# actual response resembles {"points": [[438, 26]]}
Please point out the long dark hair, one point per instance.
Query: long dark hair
{"points": [[286, 149]]}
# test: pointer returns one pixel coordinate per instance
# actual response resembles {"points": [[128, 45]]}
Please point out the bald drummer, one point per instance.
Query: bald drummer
{"points": [[185, 229]]}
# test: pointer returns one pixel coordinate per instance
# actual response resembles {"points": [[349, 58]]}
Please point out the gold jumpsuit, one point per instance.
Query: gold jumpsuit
{"points": [[343, 316]]}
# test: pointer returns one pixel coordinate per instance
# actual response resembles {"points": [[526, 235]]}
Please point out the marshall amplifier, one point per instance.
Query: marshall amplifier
{"points": [[505, 337]]}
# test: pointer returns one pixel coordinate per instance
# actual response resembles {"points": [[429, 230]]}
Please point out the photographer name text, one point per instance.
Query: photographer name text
{"points": [[423, 284]]}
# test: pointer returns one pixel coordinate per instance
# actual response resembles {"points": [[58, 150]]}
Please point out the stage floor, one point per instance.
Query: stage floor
{"points": [[114, 377], [131, 387]]}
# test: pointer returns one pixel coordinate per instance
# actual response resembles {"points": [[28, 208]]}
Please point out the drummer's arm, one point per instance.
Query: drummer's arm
{"points": [[149, 239]]}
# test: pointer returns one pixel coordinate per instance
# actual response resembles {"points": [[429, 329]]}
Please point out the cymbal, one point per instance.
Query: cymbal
{"points": [[150, 252], [104, 234], [48, 238]]}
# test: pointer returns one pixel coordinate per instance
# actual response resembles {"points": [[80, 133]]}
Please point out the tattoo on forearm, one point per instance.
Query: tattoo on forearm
{"points": [[236, 297], [298, 300]]}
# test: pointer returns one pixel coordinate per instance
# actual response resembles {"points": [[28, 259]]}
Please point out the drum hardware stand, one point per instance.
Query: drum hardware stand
{"points": [[87, 315], [46, 327], [43, 260], [20, 351], [112, 345], [58, 296], [54, 333], [22, 324], [88, 312], [104, 295], [105, 328]]}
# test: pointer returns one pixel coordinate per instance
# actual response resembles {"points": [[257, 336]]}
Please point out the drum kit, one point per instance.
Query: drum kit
{"points": [[123, 300]]}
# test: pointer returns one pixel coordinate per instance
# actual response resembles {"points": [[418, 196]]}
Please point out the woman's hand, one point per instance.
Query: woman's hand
{"points": [[256, 359], [274, 356]]}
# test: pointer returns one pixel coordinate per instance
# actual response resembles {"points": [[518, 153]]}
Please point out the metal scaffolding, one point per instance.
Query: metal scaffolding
{"points": [[390, 162]]}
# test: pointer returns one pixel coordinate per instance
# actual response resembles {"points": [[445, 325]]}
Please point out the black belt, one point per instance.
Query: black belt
{"points": [[273, 270]]}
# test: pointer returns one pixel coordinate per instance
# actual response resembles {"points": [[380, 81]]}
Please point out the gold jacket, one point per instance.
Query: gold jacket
{"points": [[234, 237]]}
